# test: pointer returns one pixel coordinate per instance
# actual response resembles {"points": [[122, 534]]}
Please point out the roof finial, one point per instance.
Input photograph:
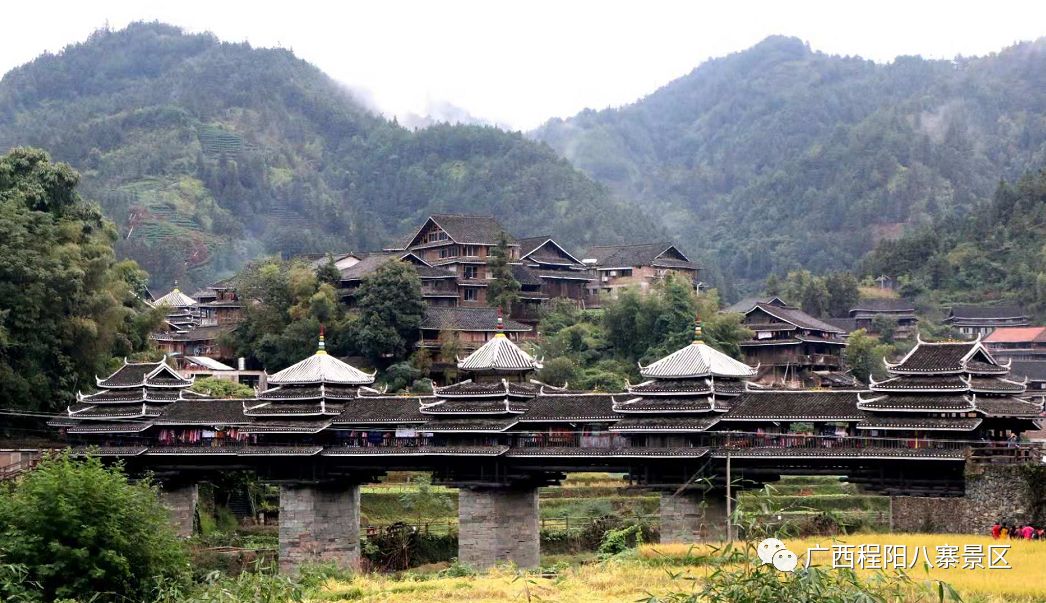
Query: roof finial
{"points": [[322, 349], [697, 328], [501, 324]]}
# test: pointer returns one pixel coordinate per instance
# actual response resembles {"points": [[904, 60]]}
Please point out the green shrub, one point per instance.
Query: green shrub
{"points": [[83, 531]]}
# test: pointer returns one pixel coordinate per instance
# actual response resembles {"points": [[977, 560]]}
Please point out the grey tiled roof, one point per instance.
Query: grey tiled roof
{"points": [[939, 357], [1034, 370], [499, 354], [786, 405], [959, 312], [797, 317], [385, 409], [467, 319], [883, 305], [746, 304], [1007, 407], [958, 402], [696, 360], [644, 254], [203, 412], [578, 407]]}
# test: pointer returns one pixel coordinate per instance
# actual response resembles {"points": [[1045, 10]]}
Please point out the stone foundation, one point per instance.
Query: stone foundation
{"points": [[498, 526], [319, 524], [690, 517], [993, 492], [181, 501]]}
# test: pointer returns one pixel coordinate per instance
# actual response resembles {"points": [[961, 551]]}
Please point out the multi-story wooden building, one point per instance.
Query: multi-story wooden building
{"points": [[978, 321], [641, 266], [546, 270], [788, 344], [463, 245]]}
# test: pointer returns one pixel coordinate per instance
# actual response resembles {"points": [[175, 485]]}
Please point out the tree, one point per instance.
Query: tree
{"points": [[807, 291], [390, 311], [84, 531], [885, 326], [328, 272], [67, 306], [503, 290], [843, 293], [289, 304], [558, 371], [221, 388], [864, 355]]}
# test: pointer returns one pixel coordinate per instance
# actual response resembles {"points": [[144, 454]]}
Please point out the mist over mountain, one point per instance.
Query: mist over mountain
{"points": [[207, 154], [779, 156]]}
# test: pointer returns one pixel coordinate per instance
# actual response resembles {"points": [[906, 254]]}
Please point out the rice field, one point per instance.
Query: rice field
{"points": [[649, 572]]}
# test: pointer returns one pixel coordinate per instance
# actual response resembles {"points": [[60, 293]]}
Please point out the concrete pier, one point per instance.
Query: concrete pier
{"points": [[499, 526], [319, 524], [181, 501], [693, 517]]}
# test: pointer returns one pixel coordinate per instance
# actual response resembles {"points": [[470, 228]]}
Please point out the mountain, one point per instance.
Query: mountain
{"points": [[207, 154], [993, 253], [780, 157]]}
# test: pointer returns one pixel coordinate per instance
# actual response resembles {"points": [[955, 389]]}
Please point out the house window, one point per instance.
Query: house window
{"points": [[469, 251], [626, 272], [448, 252], [471, 294], [470, 272]]}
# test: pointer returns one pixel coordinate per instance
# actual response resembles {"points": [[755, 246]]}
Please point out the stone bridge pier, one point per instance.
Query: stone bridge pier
{"points": [[690, 517], [499, 525], [319, 523], [181, 500], [993, 493]]}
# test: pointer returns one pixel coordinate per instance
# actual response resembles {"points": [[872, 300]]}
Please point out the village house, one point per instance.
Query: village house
{"points": [[1017, 343], [978, 321], [900, 311], [618, 266], [789, 344], [461, 244]]}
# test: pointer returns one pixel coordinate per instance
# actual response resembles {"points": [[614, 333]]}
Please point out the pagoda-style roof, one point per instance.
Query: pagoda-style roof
{"points": [[916, 403], [920, 383], [319, 368], [664, 404], [936, 358], [694, 361], [144, 374], [175, 299], [496, 389], [499, 354], [479, 406]]}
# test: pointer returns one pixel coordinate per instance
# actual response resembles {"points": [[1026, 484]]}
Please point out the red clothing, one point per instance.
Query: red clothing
{"points": [[1027, 532], [995, 531]]}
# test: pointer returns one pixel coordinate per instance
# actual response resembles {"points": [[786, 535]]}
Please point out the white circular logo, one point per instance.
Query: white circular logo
{"points": [[785, 560], [767, 548]]}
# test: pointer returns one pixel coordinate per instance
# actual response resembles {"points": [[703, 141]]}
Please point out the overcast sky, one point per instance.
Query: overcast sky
{"points": [[519, 63]]}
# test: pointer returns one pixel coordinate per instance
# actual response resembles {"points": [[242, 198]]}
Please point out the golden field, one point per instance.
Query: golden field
{"points": [[635, 577]]}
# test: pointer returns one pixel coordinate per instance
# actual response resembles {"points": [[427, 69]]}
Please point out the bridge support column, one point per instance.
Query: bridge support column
{"points": [[181, 500], [319, 523], [497, 526], [693, 517]]}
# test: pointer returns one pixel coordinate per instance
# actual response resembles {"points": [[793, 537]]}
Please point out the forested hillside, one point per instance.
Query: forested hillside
{"points": [[995, 252], [781, 157], [207, 154]]}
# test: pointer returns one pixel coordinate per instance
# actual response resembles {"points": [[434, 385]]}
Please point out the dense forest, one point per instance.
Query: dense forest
{"points": [[779, 157], [206, 154], [994, 252]]}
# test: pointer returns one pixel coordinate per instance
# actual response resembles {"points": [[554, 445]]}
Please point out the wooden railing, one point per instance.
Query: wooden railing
{"points": [[25, 464]]}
